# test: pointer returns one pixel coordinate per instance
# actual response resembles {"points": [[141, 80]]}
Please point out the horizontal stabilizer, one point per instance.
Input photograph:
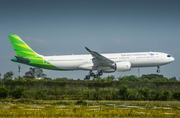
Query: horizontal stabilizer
{"points": [[22, 60]]}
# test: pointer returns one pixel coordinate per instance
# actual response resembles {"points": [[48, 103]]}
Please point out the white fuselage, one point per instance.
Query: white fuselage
{"points": [[84, 62]]}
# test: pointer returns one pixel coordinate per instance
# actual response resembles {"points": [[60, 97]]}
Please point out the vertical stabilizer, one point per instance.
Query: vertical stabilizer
{"points": [[25, 55], [20, 47]]}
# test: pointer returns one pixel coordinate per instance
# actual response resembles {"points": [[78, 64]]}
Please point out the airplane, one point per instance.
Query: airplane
{"points": [[102, 63]]}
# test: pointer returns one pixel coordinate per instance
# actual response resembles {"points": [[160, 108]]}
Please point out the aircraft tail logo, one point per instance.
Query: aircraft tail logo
{"points": [[20, 47], [26, 55]]}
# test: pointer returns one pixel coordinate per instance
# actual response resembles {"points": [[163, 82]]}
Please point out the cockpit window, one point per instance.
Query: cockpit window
{"points": [[168, 56]]}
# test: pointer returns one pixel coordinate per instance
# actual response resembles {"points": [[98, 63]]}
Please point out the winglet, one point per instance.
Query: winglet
{"points": [[88, 49]]}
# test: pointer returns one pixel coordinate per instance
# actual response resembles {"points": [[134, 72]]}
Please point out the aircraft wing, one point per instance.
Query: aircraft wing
{"points": [[100, 60]]}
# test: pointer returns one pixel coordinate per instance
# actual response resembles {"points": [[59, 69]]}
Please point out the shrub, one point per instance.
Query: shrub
{"points": [[155, 95], [144, 92], [166, 95], [3, 92], [123, 92], [176, 95], [40, 95], [18, 92]]}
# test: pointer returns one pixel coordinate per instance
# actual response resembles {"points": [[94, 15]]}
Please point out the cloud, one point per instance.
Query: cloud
{"points": [[38, 41], [117, 40], [91, 38]]}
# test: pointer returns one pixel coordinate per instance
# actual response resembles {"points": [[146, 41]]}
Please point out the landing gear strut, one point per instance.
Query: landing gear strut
{"points": [[91, 74], [158, 69]]}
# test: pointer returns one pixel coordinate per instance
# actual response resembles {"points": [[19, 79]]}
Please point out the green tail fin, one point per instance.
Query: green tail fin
{"points": [[25, 55], [20, 47]]}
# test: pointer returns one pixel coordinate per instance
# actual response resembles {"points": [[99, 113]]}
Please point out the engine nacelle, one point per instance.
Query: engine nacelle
{"points": [[122, 66]]}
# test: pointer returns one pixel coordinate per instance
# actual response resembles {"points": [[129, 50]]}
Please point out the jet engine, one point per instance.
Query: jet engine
{"points": [[122, 66], [119, 66]]}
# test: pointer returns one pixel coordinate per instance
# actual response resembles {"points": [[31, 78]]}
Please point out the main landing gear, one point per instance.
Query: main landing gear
{"points": [[91, 74], [158, 69]]}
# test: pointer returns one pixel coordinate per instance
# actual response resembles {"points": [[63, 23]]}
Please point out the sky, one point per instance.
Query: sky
{"points": [[60, 27]]}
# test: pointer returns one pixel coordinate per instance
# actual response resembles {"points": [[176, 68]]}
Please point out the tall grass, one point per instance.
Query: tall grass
{"points": [[47, 109]]}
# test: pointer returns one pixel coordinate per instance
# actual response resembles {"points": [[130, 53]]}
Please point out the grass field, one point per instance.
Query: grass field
{"points": [[90, 109]]}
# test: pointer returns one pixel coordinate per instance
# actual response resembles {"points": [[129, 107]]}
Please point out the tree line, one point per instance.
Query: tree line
{"points": [[32, 73], [146, 87]]}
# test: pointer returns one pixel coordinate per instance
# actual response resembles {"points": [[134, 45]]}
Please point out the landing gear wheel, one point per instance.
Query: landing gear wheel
{"points": [[100, 73], [91, 74], [95, 76], [158, 69], [87, 77]]}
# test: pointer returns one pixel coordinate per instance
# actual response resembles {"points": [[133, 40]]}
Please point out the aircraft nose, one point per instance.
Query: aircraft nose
{"points": [[172, 59]]}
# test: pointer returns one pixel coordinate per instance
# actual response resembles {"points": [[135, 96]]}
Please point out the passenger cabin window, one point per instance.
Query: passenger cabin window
{"points": [[168, 56]]}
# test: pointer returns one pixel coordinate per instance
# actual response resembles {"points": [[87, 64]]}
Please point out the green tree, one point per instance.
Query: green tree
{"points": [[154, 77], [39, 73], [128, 78], [3, 92], [8, 75], [173, 79], [110, 78], [35, 73]]}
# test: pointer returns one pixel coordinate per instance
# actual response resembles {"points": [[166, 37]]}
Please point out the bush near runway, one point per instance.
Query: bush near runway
{"points": [[146, 87]]}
